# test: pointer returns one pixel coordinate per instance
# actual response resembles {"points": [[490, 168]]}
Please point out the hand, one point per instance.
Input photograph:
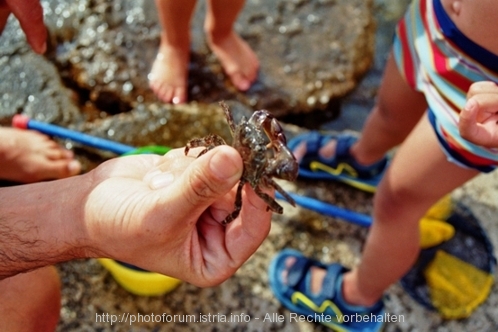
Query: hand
{"points": [[164, 214], [30, 16], [479, 118]]}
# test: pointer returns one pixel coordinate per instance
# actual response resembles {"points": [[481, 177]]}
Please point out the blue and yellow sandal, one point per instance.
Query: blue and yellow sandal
{"points": [[342, 167], [327, 307]]}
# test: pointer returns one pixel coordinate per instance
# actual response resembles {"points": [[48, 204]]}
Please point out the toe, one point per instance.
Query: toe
{"points": [[300, 151], [288, 264], [240, 81], [179, 96], [73, 168]]}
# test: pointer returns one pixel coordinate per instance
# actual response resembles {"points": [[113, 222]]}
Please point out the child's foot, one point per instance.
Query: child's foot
{"points": [[330, 157], [28, 156], [314, 289], [326, 151], [168, 77], [237, 58]]}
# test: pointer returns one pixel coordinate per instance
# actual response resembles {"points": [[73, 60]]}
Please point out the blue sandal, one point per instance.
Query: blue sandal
{"points": [[327, 307], [341, 167]]}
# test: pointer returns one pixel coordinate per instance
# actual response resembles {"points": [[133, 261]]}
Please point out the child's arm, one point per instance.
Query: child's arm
{"points": [[479, 118]]}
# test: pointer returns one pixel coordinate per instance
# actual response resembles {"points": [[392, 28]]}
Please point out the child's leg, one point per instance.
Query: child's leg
{"points": [[397, 110], [169, 74], [418, 176], [28, 156], [238, 60]]}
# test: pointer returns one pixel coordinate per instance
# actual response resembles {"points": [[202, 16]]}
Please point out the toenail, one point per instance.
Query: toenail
{"points": [[74, 166], [244, 85], [176, 100]]}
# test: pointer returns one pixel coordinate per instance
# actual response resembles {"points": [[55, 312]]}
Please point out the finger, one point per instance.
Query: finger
{"points": [[246, 233], [30, 16], [468, 119], [4, 15], [486, 105], [473, 131], [482, 87], [207, 179]]}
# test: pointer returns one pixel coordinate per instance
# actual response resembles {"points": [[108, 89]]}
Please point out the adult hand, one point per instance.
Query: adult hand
{"points": [[479, 118], [164, 214], [161, 213], [30, 16]]}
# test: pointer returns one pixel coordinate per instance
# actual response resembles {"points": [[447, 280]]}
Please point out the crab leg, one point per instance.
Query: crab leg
{"points": [[272, 204], [229, 117], [209, 142], [238, 205], [275, 185]]}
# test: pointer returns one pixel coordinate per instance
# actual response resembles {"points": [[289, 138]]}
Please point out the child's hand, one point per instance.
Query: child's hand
{"points": [[479, 118]]}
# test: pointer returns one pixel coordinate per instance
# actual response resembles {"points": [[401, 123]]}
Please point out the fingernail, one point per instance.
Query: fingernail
{"points": [[224, 169], [161, 180], [176, 100], [244, 85], [43, 48], [470, 105]]}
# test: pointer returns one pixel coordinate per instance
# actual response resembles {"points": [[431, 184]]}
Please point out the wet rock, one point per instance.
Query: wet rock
{"points": [[93, 79], [30, 85], [312, 52]]}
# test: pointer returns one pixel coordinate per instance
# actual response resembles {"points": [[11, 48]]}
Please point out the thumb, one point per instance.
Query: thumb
{"points": [[206, 179]]}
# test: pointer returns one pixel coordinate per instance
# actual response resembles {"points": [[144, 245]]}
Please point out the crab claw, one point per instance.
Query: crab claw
{"points": [[285, 165]]}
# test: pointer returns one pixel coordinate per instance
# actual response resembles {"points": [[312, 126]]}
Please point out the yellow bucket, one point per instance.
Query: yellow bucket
{"points": [[140, 282]]}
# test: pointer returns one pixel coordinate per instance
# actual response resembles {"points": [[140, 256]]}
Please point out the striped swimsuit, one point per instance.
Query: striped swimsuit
{"points": [[436, 59]]}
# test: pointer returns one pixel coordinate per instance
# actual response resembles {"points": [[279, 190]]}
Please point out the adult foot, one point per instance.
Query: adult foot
{"points": [[237, 58], [28, 156], [168, 77]]}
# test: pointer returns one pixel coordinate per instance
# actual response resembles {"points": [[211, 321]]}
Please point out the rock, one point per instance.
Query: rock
{"points": [[94, 75], [312, 52]]}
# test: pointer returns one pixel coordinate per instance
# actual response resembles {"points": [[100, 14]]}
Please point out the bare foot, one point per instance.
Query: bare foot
{"points": [[237, 58], [28, 156], [169, 74]]}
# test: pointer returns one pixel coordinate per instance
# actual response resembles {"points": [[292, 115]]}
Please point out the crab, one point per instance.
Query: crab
{"points": [[262, 145]]}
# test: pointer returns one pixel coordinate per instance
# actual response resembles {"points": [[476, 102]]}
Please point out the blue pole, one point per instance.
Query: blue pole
{"points": [[330, 210], [23, 122]]}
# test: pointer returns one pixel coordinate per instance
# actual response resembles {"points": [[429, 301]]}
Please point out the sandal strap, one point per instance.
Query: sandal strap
{"points": [[343, 154], [329, 285], [299, 278], [298, 271], [315, 141]]}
